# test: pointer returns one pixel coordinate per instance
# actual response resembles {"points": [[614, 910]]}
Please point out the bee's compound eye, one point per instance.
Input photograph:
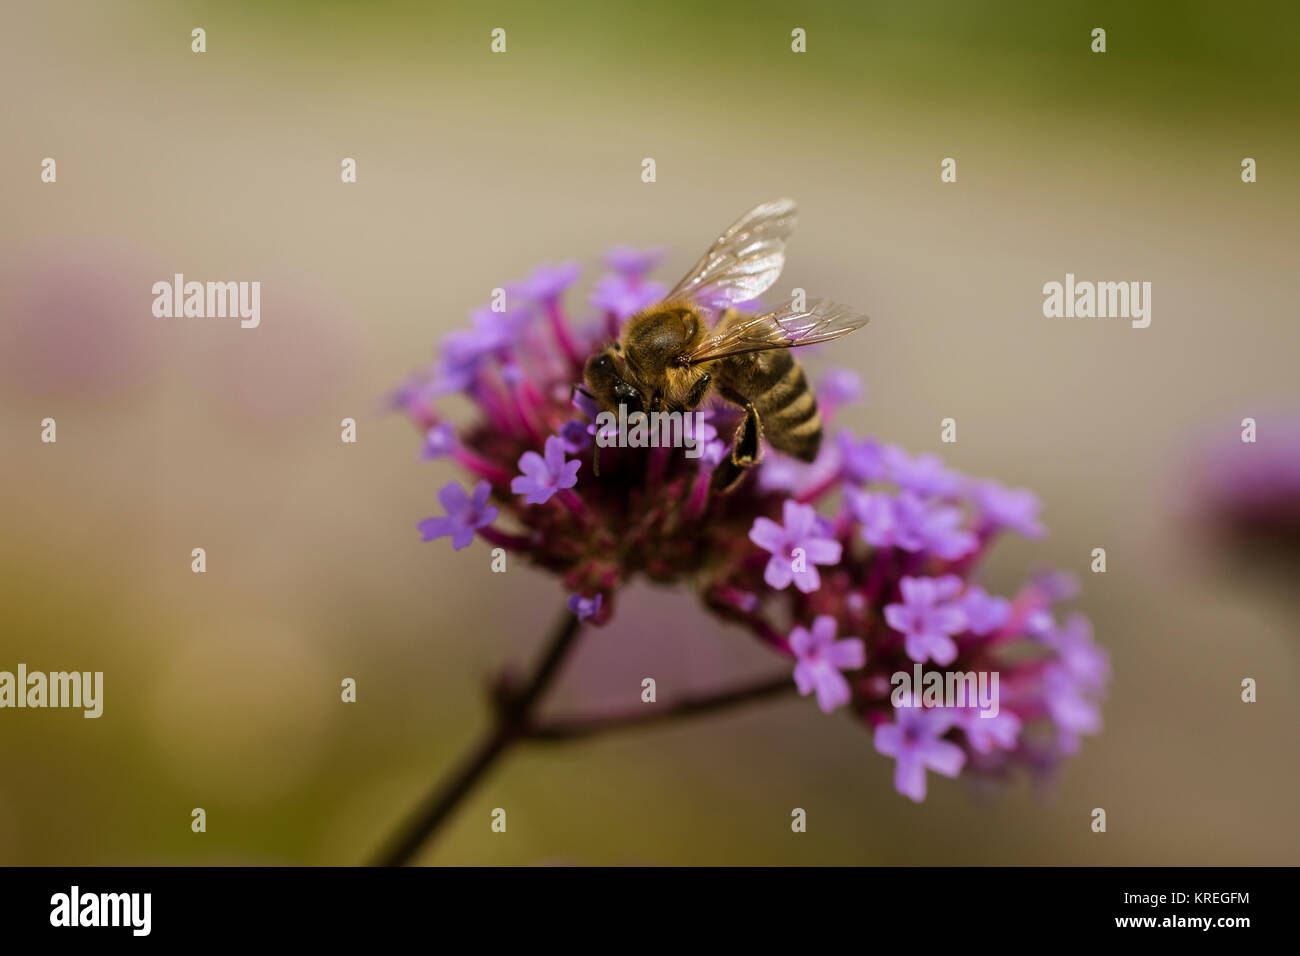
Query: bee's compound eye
{"points": [[604, 363]]}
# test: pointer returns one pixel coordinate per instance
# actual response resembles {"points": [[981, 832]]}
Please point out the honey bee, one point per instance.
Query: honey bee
{"points": [[669, 359]]}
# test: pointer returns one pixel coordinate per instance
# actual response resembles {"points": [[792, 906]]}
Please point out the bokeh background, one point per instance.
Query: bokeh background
{"points": [[222, 689]]}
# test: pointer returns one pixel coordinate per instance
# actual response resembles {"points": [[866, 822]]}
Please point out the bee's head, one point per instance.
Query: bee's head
{"points": [[604, 375]]}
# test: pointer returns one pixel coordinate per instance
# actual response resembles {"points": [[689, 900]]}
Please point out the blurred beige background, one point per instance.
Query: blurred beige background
{"points": [[222, 689]]}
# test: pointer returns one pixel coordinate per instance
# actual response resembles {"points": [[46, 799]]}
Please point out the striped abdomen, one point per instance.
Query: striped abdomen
{"points": [[786, 405]]}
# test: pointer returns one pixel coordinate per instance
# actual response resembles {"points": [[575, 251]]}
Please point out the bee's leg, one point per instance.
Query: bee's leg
{"points": [[746, 452], [747, 443], [698, 391]]}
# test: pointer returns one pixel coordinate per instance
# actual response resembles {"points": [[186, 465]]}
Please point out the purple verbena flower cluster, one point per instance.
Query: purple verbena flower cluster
{"points": [[857, 567]]}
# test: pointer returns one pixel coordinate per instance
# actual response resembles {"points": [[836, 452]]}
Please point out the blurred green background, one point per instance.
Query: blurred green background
{"points": [[222, 689]]}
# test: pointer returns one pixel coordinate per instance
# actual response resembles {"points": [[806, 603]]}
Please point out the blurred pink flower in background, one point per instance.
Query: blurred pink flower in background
{"points": [[76, 318], [1251, 489]]}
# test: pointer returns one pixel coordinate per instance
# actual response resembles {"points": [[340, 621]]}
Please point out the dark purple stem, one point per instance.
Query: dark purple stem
{"points": [[513, 716], [572, 728], [516, 722]]}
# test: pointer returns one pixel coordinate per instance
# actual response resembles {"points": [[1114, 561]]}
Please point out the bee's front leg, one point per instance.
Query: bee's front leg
{"points": [[698, 391]]}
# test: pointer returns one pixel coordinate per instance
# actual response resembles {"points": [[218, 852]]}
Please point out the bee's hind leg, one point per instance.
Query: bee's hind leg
{"points": [[747, 443], [746, 452]]}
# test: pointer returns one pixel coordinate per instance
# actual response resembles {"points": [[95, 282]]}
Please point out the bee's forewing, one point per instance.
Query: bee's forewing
{"points": [[744, 261]]}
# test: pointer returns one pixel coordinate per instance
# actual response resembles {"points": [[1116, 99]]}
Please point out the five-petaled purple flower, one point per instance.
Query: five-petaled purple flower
{"points": [[821, 658], [804, 531], [465, 514], [915, 741], [543, 477], [927, 619]]}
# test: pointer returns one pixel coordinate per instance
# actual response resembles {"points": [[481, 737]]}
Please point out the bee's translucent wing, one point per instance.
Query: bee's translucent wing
{"points": [[785, 328], [744, 261]]}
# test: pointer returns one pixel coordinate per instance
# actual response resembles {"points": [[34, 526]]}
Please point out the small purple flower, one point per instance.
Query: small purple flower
{"points": [[803, 531], [1012, 508], [624, 296], [1085, 662], [609, 433], [924, 475], [985, 613], [633, 262], [465, 514], [915, 741], [1072, 711], [1039, 625], [543, 477], [784, 473], [926, 620], [912, 523], [585, 404], [986, 734], [711, 449], [576, 436], [513, 375], [465, 351], [547, 283], [932, 527], [416, 389], [699, 429], [438, 441], [838, 387], [875, 511], [821, 658], [1056, 585], [781, 473], [713, 452], [863, 460], [585, 608]]}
